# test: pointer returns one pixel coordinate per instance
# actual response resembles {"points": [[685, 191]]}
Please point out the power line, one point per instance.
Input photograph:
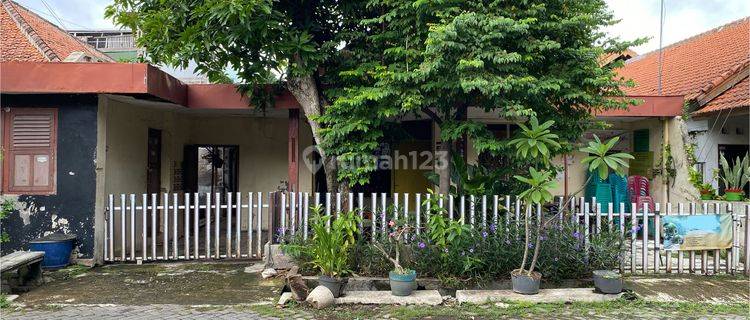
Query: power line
{"points": [[54, 14], [38, 11]]}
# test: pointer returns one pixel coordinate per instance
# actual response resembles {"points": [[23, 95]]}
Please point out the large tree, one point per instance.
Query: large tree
{"points": [[512, 59], [357, 66], [297, 45]]}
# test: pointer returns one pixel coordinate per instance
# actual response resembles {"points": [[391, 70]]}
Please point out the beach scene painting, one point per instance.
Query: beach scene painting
{"points": [[698, 232]]}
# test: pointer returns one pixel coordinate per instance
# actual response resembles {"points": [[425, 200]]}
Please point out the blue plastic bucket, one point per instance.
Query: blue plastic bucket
{"points": [[56, 247]]}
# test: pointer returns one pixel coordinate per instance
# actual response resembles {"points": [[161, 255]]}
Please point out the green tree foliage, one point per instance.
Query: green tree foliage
{"points": [[355, 66], [297, 45], [511, 59]]}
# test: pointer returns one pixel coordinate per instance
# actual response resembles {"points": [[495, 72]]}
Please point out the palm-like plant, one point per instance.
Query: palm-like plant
{"points": [[540, 183], [536, 140], [737, 175], [601, 161]]}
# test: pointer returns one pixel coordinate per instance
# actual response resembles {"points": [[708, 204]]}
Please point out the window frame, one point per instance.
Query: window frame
{"points": [[7, 173]]}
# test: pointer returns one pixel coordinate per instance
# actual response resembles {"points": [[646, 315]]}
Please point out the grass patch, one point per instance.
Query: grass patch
{"points": [[612, 309], [4, 303]]}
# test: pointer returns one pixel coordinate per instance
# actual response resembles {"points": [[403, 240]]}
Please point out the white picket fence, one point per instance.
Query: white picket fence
{"points": [[238, 225]]}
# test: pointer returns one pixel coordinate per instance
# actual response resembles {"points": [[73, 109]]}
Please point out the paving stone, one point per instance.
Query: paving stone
{"points": [[99, 312]]}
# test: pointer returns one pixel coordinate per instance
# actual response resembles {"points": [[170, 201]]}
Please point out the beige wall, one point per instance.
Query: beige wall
{"points": [[577, 172], [262, 142], [127, 133], [262, 146], [678, 191]]}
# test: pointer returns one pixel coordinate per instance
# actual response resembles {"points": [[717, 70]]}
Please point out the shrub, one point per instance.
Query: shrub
{"points": [[479, 254]]}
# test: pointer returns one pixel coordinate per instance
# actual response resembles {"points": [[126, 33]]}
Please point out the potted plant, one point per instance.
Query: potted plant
{"points": [[402, 280], [608, 281], [735, 177], [707, 191], [537, 142], [331, 242]]}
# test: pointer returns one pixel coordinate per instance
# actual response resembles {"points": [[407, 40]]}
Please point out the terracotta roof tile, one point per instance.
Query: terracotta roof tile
{"points": [[14, 44], [692, 64], [29, 37], [735, 97]]}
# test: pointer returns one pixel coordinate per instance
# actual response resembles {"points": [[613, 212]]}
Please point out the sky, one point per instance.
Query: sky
{"points": [[639, 18]]}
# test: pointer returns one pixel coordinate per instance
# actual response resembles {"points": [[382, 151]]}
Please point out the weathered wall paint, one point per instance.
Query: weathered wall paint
{"points": [[71, 209], [262, 145]]}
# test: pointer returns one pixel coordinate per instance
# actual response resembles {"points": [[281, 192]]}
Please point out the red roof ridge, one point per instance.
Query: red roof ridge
{"points": [[29, 32], [689, 39], [720, 79], [38, 41]]}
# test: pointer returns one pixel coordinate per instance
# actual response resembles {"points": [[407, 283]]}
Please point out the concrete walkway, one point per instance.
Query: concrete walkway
{"points": [[102, 312], [690, 288]]}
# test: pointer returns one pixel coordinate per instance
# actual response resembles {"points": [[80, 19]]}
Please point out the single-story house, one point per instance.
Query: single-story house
{"points": [[75, 133], [113, 128]]}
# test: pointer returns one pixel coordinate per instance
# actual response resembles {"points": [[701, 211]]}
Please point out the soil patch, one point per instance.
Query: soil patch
{"points": [[178, 283]]}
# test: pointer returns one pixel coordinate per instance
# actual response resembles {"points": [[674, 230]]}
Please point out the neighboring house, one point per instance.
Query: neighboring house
{"points": [[25, 36], [44, 138], [710, 72], [117, 44]]}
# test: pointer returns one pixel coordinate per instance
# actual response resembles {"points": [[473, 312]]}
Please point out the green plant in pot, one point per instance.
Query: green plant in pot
{"points": [[536, 141], [402, 280], [331, 242], [695, 177], [707, 191], [735, 177]]}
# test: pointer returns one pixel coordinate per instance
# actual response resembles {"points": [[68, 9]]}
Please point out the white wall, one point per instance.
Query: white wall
{"points": [[708, 141]]}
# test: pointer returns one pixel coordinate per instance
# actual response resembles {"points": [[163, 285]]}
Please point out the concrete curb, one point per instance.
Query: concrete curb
{"points": [[544, 296], [418, 297]]}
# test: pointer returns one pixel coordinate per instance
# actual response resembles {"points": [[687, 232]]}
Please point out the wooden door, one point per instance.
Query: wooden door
{"points": [[153, 161], [411, 178]]}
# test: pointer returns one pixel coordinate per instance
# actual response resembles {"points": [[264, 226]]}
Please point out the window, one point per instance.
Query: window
{"points": [[29, 147], [699, 167]]}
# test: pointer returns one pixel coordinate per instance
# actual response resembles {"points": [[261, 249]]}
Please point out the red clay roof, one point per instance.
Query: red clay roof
{"points": [[735, 97], [25, 36], [695, 65]]}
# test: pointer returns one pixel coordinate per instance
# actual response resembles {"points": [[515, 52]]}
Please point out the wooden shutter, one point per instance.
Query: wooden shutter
{"points": [[30, 140]]}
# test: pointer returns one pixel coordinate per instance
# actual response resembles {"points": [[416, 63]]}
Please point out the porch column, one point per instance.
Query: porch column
{"points": [[293, 139]]}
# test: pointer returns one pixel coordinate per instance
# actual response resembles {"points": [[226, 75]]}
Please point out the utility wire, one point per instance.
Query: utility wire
{"points": [[35, 10], [54, 14]]}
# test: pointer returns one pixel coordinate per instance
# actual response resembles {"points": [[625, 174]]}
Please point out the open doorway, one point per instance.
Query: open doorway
{"points": [[211, 169]]}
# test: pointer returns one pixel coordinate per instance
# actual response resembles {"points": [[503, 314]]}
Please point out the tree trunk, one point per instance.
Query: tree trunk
{"points": [[536, 245], [444, 168], [526, 239], [307, 93]]}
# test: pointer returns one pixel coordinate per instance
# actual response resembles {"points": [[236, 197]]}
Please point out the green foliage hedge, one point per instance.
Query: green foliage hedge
{"points": [[482, 254]]}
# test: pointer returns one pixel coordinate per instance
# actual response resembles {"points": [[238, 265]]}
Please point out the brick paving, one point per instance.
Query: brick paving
{"points": [[103, 312]]}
